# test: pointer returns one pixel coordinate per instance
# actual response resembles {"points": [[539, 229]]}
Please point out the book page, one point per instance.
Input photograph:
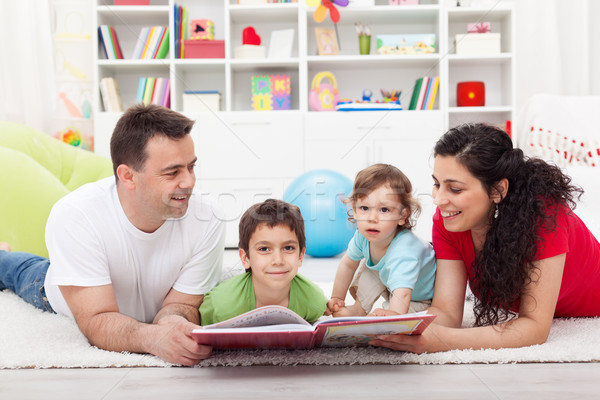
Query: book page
{"points": [[262, 328], [361, 334], [416, 315], [261, 317]]}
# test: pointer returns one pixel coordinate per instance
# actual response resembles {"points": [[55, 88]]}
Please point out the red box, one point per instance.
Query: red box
{"points": [[203, 49], [132, 2], [470, 94]]}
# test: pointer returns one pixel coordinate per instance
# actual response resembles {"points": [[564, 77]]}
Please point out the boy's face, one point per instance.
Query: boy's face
{"points": [[274, 256]]}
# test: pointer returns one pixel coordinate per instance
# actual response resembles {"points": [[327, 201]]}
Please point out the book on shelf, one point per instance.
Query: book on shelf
{"points": [[433, 92], [154, 90], [155, 36], [115, 41], [180, 17], [424, 93], [139, 46], [163, 46], [148, 90], [111, 97], [280, 327], [110, 42], [415, 94]]}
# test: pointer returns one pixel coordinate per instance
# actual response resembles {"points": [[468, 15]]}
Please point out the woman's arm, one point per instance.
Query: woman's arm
{"points": [[449, 293], [531, 327]]}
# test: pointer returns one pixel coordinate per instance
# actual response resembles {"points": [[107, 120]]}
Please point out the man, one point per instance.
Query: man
{"points": [[131, 257]]}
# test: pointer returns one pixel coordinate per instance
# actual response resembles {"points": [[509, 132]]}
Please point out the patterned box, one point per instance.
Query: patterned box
{"points": [[271, 92]]}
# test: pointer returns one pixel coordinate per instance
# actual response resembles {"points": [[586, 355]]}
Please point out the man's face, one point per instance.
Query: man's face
{"points": [[164, 184]]}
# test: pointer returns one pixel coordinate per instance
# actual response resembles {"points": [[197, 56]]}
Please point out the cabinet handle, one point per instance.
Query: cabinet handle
{"points": [[252, 123], [387, 127]]}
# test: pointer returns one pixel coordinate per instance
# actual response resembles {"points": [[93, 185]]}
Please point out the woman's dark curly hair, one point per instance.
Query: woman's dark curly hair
{"points": [[505, 264]]}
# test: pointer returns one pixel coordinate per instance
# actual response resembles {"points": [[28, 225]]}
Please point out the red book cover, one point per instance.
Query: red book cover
{"points": [[276, 327], [115, 40]]}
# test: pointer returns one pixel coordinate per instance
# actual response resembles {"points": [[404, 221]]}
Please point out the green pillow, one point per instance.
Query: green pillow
{"points": [[37, 170]]}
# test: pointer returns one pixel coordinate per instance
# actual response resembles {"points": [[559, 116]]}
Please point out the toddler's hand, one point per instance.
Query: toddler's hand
{"points": [[380, 312], [333, 305]]}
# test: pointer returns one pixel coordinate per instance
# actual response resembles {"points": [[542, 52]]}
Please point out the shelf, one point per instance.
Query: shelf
{"points": [[262, 64], [135, 15], [468, 14], [421, 14], [479, 110], [372, 61], [458, 60], [267, 13]]}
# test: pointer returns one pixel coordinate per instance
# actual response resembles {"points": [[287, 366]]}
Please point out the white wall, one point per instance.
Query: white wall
{"points": [[557, 48]]}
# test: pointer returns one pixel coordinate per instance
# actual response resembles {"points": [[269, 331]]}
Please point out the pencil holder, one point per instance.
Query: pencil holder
{"points": [[364, 44]]}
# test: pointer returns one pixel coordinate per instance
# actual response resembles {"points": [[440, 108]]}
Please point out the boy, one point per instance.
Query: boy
{"points": [[271, 247]]}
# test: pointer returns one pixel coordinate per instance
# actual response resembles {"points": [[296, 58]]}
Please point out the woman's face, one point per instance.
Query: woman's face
{"points": [[463, 202]]}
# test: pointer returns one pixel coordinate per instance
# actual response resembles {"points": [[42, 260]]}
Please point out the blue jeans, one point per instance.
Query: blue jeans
{"points": [[24, 274]]}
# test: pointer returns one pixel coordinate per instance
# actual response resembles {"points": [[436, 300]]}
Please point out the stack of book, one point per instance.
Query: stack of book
{"points": [[111, 97], [153, 90], [424, 93], [110, 42], [153, 42], [180, 15]]}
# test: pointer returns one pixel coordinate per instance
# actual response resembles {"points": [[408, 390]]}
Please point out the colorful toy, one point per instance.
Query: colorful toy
{"points": [[470, 94], [323, 96], [71, 108], [271, 92], [249, 36], [71, 135], [202, 29], [321, 11], [319, 195]]}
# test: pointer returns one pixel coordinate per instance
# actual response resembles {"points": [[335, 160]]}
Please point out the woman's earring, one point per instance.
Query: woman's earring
{"points": [[496, 212]]}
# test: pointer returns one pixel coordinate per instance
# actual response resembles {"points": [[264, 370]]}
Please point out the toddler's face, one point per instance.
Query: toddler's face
{"points": [[379, 214]]}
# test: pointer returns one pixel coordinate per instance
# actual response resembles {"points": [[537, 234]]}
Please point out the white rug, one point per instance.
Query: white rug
{"points": [[30, 338]]}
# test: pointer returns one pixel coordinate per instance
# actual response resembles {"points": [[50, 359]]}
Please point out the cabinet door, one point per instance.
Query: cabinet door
{"points": [[249, 144], [236, 195]]}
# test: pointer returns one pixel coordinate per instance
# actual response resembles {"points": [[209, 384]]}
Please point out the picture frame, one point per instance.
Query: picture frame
{"points": [[281, 44], [327, 42]]}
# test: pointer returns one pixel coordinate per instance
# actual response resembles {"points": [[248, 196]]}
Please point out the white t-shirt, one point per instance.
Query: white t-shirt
{"points": [[92, 243]]}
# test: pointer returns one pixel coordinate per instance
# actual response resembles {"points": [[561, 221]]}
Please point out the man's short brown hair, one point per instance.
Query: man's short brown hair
{"points": [[139, 124]]}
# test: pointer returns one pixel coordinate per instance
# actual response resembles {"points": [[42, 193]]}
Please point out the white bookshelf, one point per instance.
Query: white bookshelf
{"points": [[246, 156]]}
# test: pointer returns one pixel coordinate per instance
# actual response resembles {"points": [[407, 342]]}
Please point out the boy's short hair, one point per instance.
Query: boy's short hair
{"points": [[272, 212]]}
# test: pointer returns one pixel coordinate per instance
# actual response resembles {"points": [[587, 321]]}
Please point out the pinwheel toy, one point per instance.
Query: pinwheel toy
{"points": [[323, 6]]}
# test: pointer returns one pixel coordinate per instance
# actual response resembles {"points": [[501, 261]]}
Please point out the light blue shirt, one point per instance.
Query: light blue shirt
{"points": [[408, 263]]}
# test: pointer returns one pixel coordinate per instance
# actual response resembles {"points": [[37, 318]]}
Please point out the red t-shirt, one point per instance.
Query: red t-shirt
{"points": [[580, 288]]}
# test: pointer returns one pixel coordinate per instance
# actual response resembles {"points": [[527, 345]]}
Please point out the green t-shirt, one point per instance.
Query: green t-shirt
{"points": [[235, 296]]}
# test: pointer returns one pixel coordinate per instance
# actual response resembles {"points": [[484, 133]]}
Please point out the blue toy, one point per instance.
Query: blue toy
{"points": [[319, 195]]}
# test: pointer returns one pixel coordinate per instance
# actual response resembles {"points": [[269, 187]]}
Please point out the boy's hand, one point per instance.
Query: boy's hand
{"points": [[333, 305]]}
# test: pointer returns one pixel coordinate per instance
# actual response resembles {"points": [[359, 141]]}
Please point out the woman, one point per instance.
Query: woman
{"points": [[504, 224]]}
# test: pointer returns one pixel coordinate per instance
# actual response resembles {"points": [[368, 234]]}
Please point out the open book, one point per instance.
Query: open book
{"points": [[279, 327]]}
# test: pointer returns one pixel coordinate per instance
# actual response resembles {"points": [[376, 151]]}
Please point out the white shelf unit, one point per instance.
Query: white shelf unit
{"points": [[247, 156], [496, 71]]}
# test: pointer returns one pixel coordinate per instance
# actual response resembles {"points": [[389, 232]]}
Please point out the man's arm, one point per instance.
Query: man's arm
{"points": [[97, 314]]}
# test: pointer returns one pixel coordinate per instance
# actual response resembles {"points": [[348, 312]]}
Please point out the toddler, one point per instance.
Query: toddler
{"points": [[394, 262]]}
